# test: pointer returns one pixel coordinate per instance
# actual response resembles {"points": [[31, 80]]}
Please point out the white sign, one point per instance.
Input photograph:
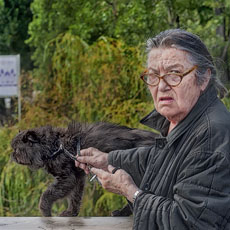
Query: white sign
{"points": [[9, 75]]}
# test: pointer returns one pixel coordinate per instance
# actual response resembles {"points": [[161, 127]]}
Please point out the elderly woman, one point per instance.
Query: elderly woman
{"points": [[182, 181]]}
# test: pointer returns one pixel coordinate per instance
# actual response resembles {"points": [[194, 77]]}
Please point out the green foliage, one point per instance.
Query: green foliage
{"points": [[20, 188], [89, 83], [92, 82], [14, 192], [130, 21], [5, 136], [15, 16], [99, 202], [50, 18], [89, 56], [109, 202], [226, 101]]}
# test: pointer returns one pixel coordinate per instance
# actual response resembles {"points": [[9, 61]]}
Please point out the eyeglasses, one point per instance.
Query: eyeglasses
{"points": [[171, 79]]}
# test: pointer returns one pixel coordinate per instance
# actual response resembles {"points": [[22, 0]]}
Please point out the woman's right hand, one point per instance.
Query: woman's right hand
{"points": [[92, 157]]}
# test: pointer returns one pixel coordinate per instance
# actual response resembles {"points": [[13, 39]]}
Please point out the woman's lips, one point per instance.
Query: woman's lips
{"points": [[166, 100]]}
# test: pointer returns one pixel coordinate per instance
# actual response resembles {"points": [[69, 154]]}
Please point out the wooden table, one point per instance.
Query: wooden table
{"points": [[65, 223]]}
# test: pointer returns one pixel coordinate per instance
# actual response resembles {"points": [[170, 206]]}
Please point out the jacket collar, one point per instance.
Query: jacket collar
{"points": [[158, 122]]}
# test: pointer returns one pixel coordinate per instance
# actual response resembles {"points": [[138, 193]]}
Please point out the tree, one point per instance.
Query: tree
{"points": [[15, 16], [130, 21]]}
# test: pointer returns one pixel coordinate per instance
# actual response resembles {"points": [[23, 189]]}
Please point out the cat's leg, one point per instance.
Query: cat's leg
{"points": [[75, 198], [61, 188]]}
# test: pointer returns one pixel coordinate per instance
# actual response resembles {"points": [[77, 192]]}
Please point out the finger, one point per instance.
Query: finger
{"points": [[80, 165], [84, 159], [87, 170], [113, 170], [110, 168], [85, 152], [88, 151], [98, 172], [77, 163], [84, 167]]}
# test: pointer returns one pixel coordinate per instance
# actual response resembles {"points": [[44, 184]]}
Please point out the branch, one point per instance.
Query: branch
{"points": [[113, 4], [108, 2], [225, 48]]}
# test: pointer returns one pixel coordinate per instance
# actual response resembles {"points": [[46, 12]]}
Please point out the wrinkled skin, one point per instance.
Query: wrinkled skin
{"points": [[174, 103], [34, 148]]}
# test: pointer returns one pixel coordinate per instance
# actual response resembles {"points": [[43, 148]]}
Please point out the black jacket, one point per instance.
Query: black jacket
{"points": [[185, 176]]}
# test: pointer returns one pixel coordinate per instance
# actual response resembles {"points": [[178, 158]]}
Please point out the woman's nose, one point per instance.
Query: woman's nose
{"points": [[162, 86]]}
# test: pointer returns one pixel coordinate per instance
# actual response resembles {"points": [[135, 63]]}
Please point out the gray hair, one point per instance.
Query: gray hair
{"points": [[196, 49]]}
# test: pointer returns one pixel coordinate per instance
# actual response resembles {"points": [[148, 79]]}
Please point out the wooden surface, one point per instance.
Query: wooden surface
{"points": [[65, 223]]}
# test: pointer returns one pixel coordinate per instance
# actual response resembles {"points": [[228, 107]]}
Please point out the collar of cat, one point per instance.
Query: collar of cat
{"points": [[62, 149]]}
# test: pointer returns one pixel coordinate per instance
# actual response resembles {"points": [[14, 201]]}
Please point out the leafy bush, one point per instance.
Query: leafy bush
{"points": [[85, 83], [91, 83]]}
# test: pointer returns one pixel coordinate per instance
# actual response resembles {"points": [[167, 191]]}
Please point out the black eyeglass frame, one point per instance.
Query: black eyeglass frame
{"points": [[181, 75]]}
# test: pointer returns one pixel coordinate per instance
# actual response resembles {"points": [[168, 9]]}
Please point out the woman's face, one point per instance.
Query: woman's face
{"points": [[174, 103]]}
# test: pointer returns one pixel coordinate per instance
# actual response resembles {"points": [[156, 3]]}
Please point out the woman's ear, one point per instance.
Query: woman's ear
{"points": [[207, 77]]}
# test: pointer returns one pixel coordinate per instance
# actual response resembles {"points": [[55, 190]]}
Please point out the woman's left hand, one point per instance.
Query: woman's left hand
{"points": [[120, 182]]}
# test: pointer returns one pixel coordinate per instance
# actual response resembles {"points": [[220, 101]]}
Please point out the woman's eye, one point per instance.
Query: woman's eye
{"points": [[153, 75], [174, 71]]}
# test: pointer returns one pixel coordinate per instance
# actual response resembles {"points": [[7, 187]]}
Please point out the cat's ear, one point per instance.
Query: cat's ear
{"points": [[31, 136]]}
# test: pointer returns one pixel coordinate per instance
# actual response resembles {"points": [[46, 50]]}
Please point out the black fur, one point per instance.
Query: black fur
{"points": [[35, 147]]}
